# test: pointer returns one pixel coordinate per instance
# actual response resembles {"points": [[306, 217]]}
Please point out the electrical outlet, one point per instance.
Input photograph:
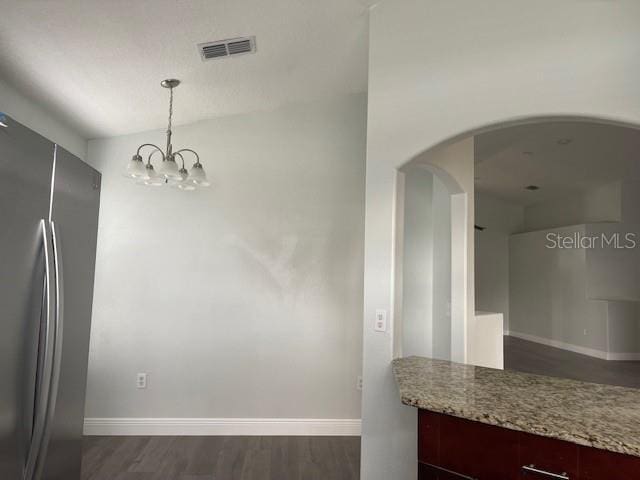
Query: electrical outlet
{"points": [[359, 382], [381, 321], [141, 380], [585, 332]]}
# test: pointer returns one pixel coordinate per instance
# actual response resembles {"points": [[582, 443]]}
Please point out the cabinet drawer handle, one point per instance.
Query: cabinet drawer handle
{"points": [[537, 471]]}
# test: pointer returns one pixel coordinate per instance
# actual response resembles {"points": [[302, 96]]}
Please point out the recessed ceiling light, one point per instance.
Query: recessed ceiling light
{"points": [[532, 187], [565, 141]]}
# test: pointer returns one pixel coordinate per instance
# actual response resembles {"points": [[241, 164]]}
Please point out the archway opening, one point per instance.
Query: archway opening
{"points": [[556, 251], [484, 331], [432, 255]]}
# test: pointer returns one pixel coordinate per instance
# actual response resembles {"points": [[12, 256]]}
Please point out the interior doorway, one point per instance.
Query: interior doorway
{"points": [[434, 288]]}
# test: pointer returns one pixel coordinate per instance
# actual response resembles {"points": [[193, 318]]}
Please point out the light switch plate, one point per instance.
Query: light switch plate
{"points": [[381, 321]]}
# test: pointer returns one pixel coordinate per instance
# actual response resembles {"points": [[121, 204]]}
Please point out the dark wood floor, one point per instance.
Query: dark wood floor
{"points": [[221, 458], [531, 357]]}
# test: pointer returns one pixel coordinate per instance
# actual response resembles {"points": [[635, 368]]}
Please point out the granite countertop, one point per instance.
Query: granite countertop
{"points": [[600, 416]]}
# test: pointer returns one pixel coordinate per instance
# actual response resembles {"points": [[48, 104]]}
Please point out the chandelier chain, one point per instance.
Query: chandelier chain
{"points": [[170, 108]]}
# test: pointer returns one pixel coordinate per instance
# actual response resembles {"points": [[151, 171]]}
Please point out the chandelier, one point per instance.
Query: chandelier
{"points": [[168, 172]]}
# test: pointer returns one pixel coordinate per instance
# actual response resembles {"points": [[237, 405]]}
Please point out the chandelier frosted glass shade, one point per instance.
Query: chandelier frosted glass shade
{"points": [[168, 172], [151, 177], [169, 169], [182, 184], [197, 176], [135, 168]]}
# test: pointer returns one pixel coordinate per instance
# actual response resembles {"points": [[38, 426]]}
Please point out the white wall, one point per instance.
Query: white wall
{"points": [[623, 330], [467, 72], [548, 293], [615, 273], [425, 265], [243, 300], [600, 204], [441, 270], [500, 219], [38, 119], [417, 263]]}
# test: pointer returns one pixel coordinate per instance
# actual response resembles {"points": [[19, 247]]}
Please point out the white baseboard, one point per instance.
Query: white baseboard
{"points": [[222, 426], [591, 352], [630, 356]]}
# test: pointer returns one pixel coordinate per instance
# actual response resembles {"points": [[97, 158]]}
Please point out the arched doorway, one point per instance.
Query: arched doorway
{"points": [[432, 239], [452, 165], [556, 249]]}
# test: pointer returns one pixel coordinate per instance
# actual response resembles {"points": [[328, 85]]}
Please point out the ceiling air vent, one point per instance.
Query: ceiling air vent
{"points": [[227, 48]]}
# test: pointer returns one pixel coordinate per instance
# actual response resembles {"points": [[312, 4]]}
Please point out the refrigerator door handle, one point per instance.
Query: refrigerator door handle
{"points": [[57, 350], [45, 368]]}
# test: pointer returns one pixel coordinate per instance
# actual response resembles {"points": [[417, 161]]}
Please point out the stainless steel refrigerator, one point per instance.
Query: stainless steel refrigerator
{"points": [[49, 203]]}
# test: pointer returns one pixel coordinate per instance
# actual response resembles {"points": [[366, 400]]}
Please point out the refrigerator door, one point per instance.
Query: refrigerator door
{"points": [[76, 199], [26, 163]]}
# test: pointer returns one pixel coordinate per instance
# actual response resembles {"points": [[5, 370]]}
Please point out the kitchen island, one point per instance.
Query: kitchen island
{"points": [[481, 423]]}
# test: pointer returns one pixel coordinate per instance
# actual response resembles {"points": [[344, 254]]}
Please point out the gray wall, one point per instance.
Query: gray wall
{"points": [[243, 300]]}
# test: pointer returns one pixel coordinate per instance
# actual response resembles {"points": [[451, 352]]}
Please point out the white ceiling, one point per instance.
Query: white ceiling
{"points": [[597, 154], [98, 63]]}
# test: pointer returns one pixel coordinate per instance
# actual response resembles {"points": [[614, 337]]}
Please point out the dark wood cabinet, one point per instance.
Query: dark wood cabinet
{"points": [[469, 448], [451, 448], [427, 471], [600, 464], [546, 454]]}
